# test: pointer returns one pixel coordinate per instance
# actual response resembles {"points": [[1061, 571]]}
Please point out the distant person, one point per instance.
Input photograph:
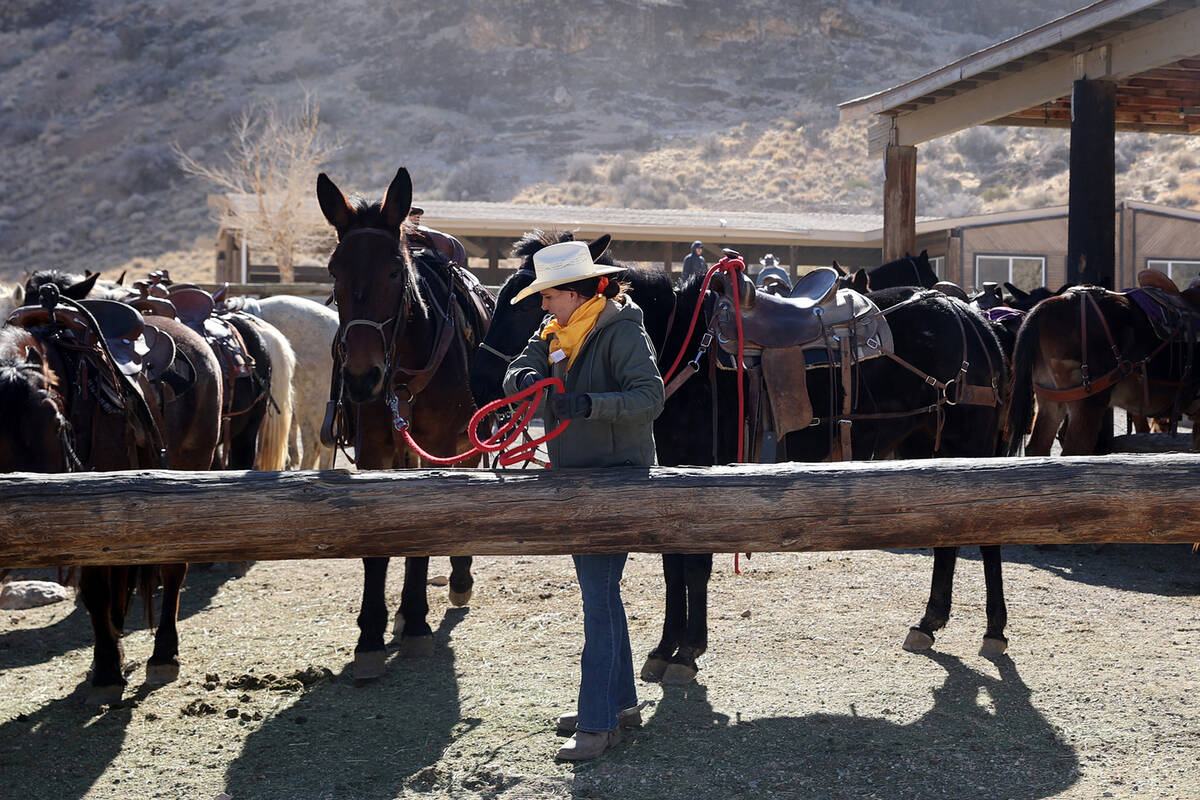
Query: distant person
{"points": [[694, 263], [774, 280], [444, 244]]}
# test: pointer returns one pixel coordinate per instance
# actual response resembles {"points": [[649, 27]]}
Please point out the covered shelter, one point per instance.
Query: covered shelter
{"points": [[1115, 65]]}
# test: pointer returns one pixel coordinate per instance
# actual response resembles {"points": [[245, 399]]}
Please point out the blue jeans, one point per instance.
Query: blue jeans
{"points": [[606, 685]]}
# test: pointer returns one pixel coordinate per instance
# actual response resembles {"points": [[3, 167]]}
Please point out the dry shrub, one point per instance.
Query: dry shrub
{"points": [[272, 159]]}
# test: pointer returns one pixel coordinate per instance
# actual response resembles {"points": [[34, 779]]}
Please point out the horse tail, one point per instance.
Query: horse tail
{"points": [[277, 424], [1020, 401]]}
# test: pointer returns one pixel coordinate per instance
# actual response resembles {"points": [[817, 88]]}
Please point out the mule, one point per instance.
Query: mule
{"points": [[698, 427], [1089, 349], [61, 428], [405, 343]]}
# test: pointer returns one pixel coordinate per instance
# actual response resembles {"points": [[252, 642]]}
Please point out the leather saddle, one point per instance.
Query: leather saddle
{"points": [[198, 310], [802, 332], [815, 307], [1169, 312], [124, 332]]}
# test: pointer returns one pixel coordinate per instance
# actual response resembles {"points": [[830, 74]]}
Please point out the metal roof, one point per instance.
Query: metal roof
{"points": [[1149, 48]]}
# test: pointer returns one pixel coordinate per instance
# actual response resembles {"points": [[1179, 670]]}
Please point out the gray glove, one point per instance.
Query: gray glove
{"points": [[572, 405], [526, 380]]}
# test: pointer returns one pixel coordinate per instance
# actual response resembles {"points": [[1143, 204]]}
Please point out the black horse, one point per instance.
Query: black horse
{"points": [[698, 425]]}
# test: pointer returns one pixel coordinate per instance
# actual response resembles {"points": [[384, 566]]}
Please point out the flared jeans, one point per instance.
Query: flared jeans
{"points": [[606, 685]]}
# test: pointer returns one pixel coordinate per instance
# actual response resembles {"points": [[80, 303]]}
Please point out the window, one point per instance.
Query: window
{"points": [[939, 266], [1182, 272], [1024, 272]]}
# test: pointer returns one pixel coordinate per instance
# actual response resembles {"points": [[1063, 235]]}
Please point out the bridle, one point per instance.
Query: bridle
{"points": [[389, 343]]}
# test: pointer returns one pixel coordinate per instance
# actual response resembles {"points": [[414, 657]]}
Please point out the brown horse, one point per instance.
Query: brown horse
{"points": [[401, 356], [74, 413], [1087, 349]]}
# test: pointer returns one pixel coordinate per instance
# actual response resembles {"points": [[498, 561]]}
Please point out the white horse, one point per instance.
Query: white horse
{"points": [[12, 297], [311, 329], [273, 434]]}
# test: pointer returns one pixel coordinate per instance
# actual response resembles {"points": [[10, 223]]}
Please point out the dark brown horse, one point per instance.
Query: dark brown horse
{"points": [[73, 412], [401, 356], [1087, 349]]}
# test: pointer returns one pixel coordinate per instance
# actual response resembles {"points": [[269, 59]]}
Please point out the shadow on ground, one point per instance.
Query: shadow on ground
{"points": [[346, 741], [24, 646], [982, 739], [1169, 570]]}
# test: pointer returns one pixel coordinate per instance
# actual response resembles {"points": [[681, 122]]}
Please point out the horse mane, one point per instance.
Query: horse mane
{"points": [[60, 278], [534, 240], [22, 380]]}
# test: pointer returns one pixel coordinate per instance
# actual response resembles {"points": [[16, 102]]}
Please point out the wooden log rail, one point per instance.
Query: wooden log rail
{"points": [[160, 517]]}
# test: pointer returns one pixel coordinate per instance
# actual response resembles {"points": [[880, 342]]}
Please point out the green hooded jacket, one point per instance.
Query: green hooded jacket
{"points": [[616, 368]]}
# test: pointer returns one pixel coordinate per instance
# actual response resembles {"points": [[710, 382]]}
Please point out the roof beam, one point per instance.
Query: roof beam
{"points": [[1163, 42]]}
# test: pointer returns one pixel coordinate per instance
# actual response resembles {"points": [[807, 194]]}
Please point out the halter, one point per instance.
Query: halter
{"points": [[388, 344]]}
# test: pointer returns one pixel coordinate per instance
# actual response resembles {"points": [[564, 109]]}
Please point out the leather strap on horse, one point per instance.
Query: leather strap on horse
{"points": [[1120, 372]]}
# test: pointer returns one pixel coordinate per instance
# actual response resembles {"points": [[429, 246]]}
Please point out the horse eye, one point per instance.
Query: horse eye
{"points": [[395, 274]]}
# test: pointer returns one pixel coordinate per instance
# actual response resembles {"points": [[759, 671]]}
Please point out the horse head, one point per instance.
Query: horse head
{"points": [[374, 282], [34, 434]]}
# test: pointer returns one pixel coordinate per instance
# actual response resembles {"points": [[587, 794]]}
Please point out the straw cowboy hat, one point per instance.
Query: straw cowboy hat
{"points": [[567, 262]]}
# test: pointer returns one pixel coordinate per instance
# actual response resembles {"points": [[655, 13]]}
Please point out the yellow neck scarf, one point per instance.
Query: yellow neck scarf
{"points": [[570, 336]]}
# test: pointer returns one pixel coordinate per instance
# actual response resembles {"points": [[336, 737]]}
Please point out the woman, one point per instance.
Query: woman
{"points": [[595, 342]]}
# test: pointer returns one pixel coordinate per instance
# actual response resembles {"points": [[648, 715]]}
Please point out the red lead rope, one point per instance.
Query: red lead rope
{"points": [[732, 266], [508, 433]]}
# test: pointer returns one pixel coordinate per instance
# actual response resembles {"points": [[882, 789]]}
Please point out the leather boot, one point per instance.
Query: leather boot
{"points": [[627, 718], [584, 746]]}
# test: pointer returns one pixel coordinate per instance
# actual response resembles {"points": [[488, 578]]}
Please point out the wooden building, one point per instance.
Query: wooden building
{"points": [[1029, 248]]}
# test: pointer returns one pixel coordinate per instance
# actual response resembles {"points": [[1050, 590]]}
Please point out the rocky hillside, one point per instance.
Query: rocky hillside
{"points": [[648, 103]]}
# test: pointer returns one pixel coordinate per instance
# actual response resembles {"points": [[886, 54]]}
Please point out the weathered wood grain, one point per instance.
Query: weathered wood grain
{"points": [[159, 517]]}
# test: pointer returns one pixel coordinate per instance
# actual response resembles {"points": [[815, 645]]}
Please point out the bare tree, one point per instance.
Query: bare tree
{"points": [[272, 163]]}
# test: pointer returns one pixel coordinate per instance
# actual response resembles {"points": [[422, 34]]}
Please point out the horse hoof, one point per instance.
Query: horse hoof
{"points": [[679, 674], [993, 648], [369, 665], [159, 674], [460, 598], [654, 668], [917, 640], [104, 695], [398, 625], [416, 646]]}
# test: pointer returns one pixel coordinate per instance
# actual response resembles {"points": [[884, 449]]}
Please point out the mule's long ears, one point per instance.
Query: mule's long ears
{"points": [[333, 203], [398, 199]]}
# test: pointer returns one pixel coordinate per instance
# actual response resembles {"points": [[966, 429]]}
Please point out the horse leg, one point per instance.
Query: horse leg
{"points": [[1046, 423], [937, 610], [994, 640], [369, 653], [697, 569], [96, 590], [1084, 420], [416, 638], [674, 618], [163, 666], [461, 581]]}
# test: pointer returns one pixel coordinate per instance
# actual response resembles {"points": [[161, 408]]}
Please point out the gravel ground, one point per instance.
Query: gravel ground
{"points": [[805, 692]]}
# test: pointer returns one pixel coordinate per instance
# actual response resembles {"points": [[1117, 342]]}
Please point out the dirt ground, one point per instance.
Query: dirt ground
{"points": [[805, 693]]}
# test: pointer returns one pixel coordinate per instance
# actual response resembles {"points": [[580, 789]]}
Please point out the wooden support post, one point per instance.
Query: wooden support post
{"points": [[493, 269], [954, 265], [899, 201], [668, 261], [164, 516], [792, 266], [1091, 235]]}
